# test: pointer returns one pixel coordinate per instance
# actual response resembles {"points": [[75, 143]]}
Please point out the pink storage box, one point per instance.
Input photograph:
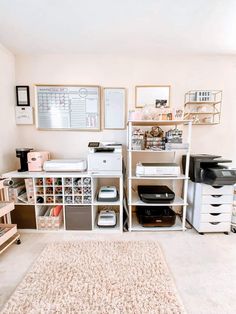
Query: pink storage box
{"points": [[36, 160]]}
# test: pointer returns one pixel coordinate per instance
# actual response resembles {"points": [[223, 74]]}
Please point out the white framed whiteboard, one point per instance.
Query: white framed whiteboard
{"points": [[114, 108], [68, 107]]}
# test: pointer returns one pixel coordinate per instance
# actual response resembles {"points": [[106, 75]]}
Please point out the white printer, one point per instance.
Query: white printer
{"points": [[79, 164], [104, 157], [157, 169]]}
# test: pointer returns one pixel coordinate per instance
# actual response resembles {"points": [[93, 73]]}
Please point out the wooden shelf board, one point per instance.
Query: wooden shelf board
{"points": [[213, 113], [10, 241], [6, 207], [215, 123], [159, 122], [8, 234], [203, 102]]}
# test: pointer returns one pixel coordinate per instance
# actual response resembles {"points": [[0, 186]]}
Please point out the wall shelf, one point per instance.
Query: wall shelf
{"points": [[205, 111]]}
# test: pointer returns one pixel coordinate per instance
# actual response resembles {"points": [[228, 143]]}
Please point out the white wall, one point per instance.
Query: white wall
{"points": [[182, 73], [8, 131]]}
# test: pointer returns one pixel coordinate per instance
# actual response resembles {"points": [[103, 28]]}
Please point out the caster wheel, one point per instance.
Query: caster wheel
{"points": [[233, 230], [18, 241], [226, 233], [201, 233]]}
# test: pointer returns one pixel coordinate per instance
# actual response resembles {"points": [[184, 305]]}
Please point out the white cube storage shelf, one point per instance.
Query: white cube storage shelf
{"points": [[77, 194]]}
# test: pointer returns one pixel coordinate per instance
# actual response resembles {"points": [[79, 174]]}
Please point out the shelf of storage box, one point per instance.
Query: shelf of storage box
{"points": [[135, 147], [203, 107], [67, 190], [70, 191]]}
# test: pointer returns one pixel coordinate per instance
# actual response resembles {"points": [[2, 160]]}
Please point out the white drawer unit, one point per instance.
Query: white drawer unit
{"points": [[216, 208], [210, 207], [217, 199], [217, 190], [215, 217], [214, 227]]}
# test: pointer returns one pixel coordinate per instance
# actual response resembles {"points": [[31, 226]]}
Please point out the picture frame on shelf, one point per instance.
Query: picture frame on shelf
{"points": [[156, 95]]}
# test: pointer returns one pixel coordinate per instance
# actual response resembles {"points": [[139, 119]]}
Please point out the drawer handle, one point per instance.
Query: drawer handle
{"points": [[214, 223], [215, 205], [216, 196], [214, 214], [217, 186]]}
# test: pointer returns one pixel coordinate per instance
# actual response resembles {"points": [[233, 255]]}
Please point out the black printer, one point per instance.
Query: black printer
{"points": [[207, 169], [156, 216], [155, 194]]}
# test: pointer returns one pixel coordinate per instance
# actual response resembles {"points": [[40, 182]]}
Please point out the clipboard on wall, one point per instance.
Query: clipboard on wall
{"points": [[114, 101], [68, 107]]}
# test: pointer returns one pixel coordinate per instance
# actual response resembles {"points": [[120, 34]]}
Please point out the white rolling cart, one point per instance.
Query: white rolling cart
{"points": [[233, 219], [8, 231], [133, 198]]}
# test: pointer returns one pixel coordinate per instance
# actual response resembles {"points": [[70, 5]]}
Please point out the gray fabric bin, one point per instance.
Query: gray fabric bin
{"points": [[78, 217]]}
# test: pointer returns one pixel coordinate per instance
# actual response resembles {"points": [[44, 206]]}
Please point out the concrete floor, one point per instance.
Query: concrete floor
{"points": [[204, 267]]}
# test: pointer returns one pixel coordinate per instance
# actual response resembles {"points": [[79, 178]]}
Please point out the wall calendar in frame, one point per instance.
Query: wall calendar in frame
{"points": [[68, 107]]}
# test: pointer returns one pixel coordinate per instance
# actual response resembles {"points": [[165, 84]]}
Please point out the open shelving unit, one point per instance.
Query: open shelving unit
{"points": [[8, 234], [75, 192], [133, 198], [203, 112]]}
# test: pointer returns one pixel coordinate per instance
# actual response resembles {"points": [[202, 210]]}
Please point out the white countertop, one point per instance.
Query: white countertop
{"points": [[38, 174]]}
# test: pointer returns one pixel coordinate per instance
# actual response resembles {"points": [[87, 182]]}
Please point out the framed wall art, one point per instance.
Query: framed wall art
{"points": [[157, 96]]}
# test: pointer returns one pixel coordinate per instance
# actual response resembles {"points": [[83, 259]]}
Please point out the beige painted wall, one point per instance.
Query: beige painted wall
{"points": [[8, 130], [182, 73]]}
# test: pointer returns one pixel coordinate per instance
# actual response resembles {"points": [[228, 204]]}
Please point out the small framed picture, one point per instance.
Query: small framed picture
{"points": [[22, 96], [157, 96]]}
